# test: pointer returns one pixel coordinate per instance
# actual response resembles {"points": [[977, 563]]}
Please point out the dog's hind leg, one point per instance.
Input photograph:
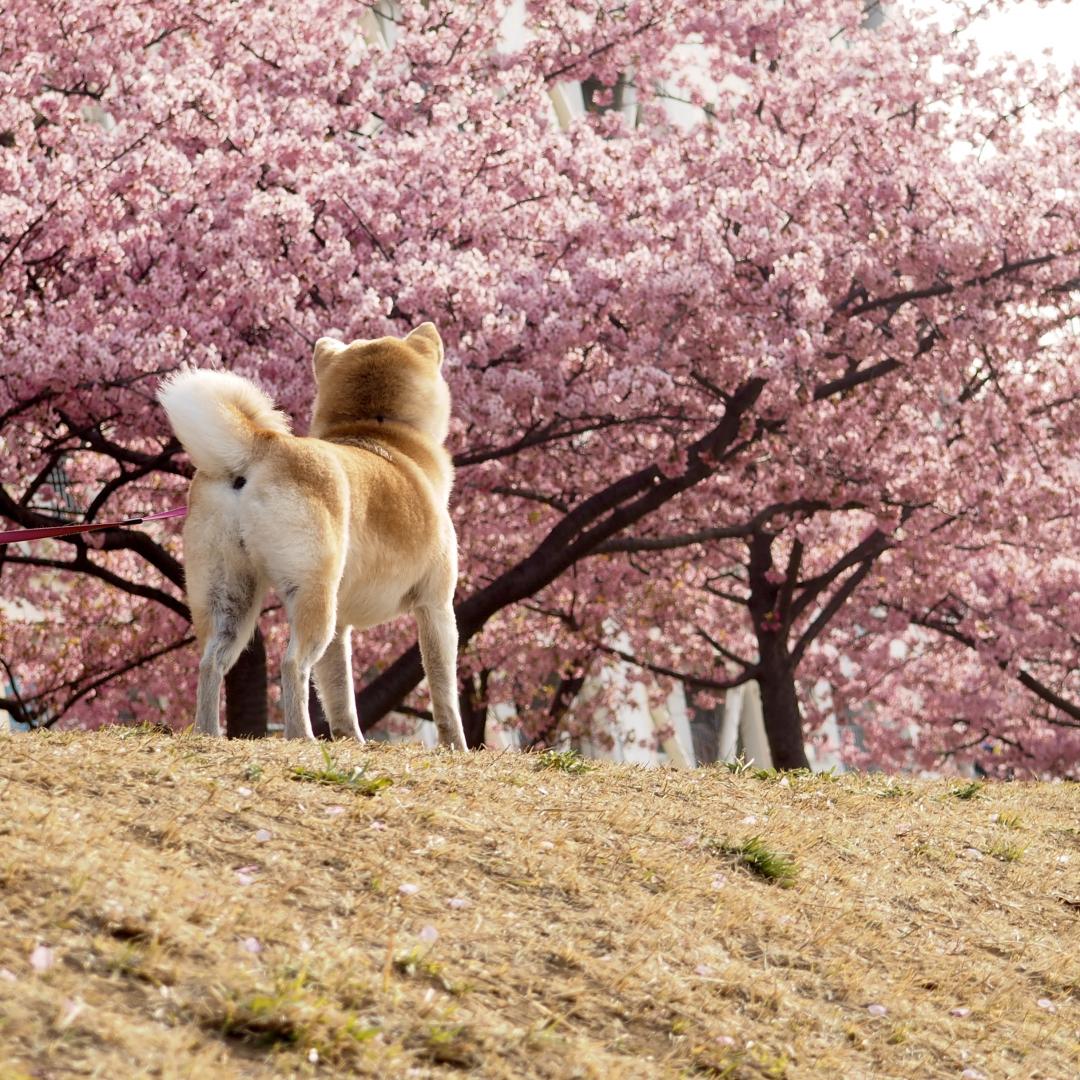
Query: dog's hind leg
{"points": [[438, 649], [225, 620], [334, 681], [311, 613]]}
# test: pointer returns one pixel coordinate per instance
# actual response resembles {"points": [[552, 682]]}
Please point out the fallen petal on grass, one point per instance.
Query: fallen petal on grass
{"points": [[72, 1010], [876, 1010], [42, 958], [407, 888]]}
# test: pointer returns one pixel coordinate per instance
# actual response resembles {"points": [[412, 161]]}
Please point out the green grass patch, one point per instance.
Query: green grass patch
{"points": [[893, 789], [1006, 852], [781, 774], [741, 767], [352, 779], [417, 963], [567, 761], [290, 1012], [738, 767], [139, 730], [970, 790], [453, 1045], [759, 858]]}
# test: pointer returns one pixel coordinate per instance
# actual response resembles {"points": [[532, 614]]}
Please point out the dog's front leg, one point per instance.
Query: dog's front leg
{"points": [[438, 649]]}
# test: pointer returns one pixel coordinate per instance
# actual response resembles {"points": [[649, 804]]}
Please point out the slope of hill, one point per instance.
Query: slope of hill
{"points": [[180, 907]]}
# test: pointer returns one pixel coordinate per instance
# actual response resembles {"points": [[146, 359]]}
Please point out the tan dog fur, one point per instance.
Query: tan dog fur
{"points": [[350, 525]]}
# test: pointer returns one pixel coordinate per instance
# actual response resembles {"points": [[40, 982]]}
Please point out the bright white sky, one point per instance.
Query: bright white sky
{"points": [[1026, 30]]}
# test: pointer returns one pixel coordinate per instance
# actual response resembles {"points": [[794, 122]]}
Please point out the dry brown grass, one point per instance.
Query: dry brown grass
{"points": [[195, 909]]}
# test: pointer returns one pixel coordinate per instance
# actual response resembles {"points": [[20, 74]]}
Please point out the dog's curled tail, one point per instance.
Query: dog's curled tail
{"points": [[216, 416]]}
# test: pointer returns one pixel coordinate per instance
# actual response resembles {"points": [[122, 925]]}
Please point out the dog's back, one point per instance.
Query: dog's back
{"points": [[349, 525]]}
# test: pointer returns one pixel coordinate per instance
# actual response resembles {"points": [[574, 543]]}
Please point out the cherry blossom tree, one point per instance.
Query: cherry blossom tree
{"points": [[761, 365]]}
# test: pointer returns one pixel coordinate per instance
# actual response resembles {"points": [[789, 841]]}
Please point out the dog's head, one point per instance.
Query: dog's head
{"points": [[384, 379]]}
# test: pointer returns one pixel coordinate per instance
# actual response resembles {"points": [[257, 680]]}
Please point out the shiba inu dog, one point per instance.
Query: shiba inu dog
{"points": [[349, 525]]}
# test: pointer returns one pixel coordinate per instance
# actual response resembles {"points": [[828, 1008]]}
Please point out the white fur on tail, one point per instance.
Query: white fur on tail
{"points": [[215, 415]]}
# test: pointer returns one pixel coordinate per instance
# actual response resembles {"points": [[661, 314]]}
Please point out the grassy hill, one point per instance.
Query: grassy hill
{"points": [[181, 907]]}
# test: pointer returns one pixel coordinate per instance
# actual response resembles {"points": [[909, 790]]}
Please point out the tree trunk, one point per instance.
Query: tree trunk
{"points": [[246, 707], [320, 726], [473, 704], [780, 707], [566, 689], [770, 606]]}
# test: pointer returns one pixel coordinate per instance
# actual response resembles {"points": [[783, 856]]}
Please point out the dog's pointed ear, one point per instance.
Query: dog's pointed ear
{"points": [[326, 348], [426, 338]]}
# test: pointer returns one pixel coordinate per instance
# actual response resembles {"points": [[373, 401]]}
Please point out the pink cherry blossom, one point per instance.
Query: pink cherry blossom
{"points": [[767, 359]]}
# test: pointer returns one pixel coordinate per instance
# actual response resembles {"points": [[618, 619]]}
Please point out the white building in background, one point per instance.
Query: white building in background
{"points": [[639, 733]]}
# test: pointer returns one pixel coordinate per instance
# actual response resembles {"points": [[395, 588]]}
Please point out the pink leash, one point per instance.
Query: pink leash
{"points": [[14, 535]]}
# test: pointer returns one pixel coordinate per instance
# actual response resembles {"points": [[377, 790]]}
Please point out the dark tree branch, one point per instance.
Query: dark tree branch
{"points": [[114, 673], [589, 524], [1025, 678], [108, 540], [853, 378], [810, 589], [678, 540], [828, 612], [699, 682], [721, 532], [81, 564], [725, 652], [943, 288], [532, 496]]}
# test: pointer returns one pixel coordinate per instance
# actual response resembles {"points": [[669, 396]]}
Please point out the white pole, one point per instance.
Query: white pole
{"points": [[754, 739]]}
